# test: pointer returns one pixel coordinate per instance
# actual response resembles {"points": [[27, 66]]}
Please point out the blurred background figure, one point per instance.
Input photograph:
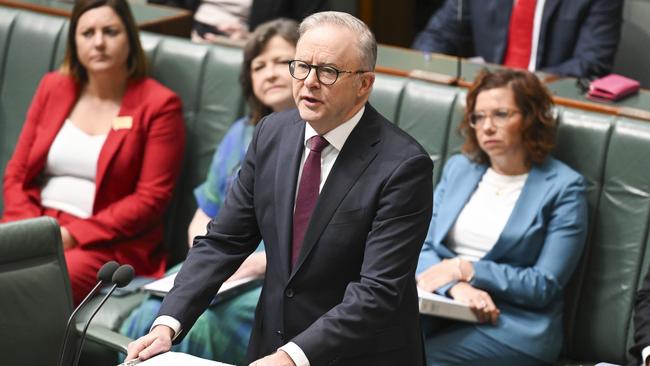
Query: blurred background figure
{"points": [[223, 20], [508, 228], [100, 150], [222, 332], [564, 37]]}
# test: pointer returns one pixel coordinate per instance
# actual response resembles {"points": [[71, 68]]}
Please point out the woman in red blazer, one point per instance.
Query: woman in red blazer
{"points": [[101, 91]]}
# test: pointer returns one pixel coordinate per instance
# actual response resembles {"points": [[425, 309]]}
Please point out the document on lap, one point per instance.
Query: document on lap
{"points": [[444, 307], [174, 359], [228, 290]]}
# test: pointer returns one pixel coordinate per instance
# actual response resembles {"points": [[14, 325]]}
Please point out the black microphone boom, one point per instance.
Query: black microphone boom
{"points": [[104, 276], [122, 277]]}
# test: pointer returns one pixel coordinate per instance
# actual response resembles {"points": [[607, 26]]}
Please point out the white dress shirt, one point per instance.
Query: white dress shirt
{"points": [[336, 138], [537, 25], [483, 218]]}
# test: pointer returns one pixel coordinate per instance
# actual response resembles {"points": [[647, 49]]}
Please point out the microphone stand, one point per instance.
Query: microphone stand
{"points": [[122, 276], [106, 270]]}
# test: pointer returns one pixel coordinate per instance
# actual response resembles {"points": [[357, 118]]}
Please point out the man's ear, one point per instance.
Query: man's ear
{"points": [[366, 81]]}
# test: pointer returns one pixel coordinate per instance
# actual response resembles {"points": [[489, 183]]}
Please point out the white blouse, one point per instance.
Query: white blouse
{"points": [[70, 171], [483, 218]]}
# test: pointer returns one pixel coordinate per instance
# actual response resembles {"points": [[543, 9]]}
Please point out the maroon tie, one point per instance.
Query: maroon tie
{"points": [[307, 194], [520, 34]]}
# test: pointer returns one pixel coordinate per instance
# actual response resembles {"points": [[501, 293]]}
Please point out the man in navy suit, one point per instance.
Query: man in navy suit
{"points": [[339, 287], [568, 37]]}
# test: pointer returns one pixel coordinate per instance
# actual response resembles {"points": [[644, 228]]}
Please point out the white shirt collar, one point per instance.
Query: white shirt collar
{"points": [[337, 136]]}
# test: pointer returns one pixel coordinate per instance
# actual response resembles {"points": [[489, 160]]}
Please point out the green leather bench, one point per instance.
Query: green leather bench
{"points": [[609, 151]]}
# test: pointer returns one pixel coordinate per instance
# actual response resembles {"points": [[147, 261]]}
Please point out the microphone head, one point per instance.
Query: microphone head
{"points": [[123, 275], [105, 274]]}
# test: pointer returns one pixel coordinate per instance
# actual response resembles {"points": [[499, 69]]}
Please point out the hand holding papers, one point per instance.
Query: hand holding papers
{"points": [[434, 304]]}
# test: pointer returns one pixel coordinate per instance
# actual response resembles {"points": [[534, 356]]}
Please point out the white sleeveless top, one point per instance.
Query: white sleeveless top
{"points": [[483, 218], [70, 171]]}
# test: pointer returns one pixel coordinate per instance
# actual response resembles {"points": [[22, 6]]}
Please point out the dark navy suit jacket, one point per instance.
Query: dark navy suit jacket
{"points": [[351, 298], [577, 37]]}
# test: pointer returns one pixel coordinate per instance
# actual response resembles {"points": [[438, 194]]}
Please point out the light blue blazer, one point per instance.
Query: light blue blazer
{"points": [[533, 259]]}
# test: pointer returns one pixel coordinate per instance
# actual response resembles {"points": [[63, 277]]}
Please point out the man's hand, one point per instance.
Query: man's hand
{"points": [[438, 275], [159, 340], [68, 240], [478, 300], [280, 358]]}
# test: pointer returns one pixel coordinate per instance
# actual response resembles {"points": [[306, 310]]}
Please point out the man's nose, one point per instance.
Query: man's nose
{"points": [[311, 81]]}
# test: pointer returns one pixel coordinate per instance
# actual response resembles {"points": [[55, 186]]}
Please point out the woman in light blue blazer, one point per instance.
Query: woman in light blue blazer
{"points": [[508, 228]]}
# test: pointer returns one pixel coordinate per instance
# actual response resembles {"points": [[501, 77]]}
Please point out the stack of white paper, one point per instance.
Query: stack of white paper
{"points": [[229, 288], [176, 359], [444, 307]]}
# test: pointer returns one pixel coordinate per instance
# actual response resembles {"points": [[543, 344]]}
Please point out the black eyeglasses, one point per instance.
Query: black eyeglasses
{"points": [[499, 117], [326, 75]]}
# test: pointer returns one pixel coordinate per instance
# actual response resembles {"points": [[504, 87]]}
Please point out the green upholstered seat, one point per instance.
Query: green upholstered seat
{"points": [[35, 295]]}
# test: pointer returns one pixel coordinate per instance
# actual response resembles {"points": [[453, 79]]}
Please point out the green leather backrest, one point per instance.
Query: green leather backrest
{"points": [[36, 299], [28, 48], [387, 94], [582, 144], [425, 113], [617, 247]]}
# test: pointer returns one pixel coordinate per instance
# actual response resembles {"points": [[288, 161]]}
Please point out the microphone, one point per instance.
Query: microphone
{"points": [[104, 275], [122, 277]]}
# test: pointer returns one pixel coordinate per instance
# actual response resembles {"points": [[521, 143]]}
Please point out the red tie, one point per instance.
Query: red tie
{"points": [[307, 194], [520, 34]]}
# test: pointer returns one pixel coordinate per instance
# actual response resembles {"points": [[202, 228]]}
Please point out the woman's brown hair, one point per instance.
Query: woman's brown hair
{"points": [[136, 61], [532, 99], [285, 28]]}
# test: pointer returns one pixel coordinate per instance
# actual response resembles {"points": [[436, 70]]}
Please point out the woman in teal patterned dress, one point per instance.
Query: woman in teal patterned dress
{"points": [[222, 332]]}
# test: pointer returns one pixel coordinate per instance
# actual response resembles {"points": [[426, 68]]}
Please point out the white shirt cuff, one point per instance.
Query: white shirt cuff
{"points": [[168, 321], [297, 355]]}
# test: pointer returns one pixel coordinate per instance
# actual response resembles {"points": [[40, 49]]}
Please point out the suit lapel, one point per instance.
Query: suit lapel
{"points": [[358, 151], [550, 6], [500, 12], [116, 136], [537, 186], [286, 173], [456, 197]]}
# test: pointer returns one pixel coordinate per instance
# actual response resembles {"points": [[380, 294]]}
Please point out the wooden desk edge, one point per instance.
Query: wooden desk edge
{"points": [[36, 8]]}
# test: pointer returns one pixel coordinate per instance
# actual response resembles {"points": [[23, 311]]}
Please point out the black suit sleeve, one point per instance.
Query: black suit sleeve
{"points": [[641, 320], [387, 271], [231, 237]]}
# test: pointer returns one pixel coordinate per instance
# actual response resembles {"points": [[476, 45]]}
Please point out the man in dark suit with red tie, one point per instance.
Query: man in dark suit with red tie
{"points": [[564, 37], [342, 199]]}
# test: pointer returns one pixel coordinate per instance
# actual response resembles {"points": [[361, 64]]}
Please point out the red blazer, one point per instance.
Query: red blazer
{"points": [[136, 171]]}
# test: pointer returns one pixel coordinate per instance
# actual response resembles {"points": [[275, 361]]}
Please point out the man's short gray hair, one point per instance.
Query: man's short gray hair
{"points": [[365, 38]]}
